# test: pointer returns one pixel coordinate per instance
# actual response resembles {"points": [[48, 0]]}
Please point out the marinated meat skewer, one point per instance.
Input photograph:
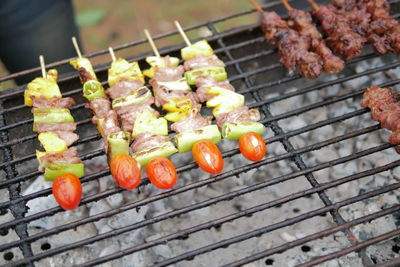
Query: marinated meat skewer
{"points": [[125, 170], [301, 21], [55, 127], [341, 37], [233, 117], [183, 110], [385, 108], [294, 49], [371, 19]]}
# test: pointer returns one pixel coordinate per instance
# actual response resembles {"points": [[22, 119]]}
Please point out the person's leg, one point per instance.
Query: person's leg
{"points": [[32, 28]]}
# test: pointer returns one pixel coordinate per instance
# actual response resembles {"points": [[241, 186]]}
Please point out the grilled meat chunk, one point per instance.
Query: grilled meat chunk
{"points": [[240, 114], [148, 140]]}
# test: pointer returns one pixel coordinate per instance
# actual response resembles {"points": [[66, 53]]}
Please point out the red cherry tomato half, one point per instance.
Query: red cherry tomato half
{"points": [[252, 146], [208, 157], [126, 171], [67, 190], [162, 173]]}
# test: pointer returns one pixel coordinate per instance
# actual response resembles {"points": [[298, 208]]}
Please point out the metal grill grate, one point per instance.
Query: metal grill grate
{"points": [[255, 70]]}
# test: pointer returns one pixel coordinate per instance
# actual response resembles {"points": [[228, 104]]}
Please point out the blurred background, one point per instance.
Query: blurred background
{"points": [[106, 23]]}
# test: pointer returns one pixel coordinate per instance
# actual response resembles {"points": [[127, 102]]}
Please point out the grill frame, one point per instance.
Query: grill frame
{"points": [[17, 203]]}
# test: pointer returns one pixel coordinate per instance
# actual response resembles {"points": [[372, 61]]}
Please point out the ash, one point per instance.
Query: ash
{"points": [[378, 253]]}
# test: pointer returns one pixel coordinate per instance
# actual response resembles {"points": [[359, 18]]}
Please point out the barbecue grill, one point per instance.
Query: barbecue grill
{"points": [[243, 215]]}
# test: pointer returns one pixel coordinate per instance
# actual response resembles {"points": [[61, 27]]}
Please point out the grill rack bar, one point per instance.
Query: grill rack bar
{"points": [[285, 135]]}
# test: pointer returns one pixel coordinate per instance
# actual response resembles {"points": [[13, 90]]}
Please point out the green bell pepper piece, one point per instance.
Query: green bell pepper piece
{"points": [[93, 89], [118, 143], [51, 116], [55, 169], [145, 156], [184, 141], [135, 98], [234, 130]]}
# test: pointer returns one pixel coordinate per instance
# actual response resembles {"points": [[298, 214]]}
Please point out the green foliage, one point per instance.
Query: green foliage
{"points": [[90, 17]]}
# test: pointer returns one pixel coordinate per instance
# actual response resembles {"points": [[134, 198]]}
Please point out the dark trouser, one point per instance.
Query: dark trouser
{"points": [[29, 28]]}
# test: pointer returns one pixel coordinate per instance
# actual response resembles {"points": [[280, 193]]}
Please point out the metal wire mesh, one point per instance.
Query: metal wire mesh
{"points": [[240, 48]]}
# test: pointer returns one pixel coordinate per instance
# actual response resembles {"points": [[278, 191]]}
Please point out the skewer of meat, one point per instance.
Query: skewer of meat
{"points": [[193, 130], [372, 20], [125, 170], [341, 37], [385, 108], [294, 49], [233, 117], [301, 21], [55, 126]]}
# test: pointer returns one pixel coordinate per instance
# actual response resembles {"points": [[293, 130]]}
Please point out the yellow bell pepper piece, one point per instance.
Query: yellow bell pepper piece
{"points": [[147, 122], [40, 86], [121, 69], [52, 143], [224, 100], [159, 63], [178, 108], [84, 63], [199, 48], [40, 154]]}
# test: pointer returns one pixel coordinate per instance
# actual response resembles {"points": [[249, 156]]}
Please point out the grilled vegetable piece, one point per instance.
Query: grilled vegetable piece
{"points": [[162, 173], [136, 98], [55, 169], [208, 157], [178, 108], [84, 68], [218, 73], [46, 87], [52, 143], [126, 171], [121, 69], [147, 122], [224, 100], [252, 146], [199, 48], [118, 143], [159, 63], [146, 155], [67, 190], [185, 141], [234, 130], [93, 89], [51, 116], [179, 85]]}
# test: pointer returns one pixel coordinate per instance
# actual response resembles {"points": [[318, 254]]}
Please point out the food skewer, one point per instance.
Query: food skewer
{"points": [[55, 126], [341, 37], [292, 46], [301, 21], [124, 169], [176, 97], [235, 119]]}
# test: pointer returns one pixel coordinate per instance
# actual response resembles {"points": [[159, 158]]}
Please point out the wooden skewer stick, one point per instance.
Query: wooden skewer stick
{"points": [[188, 43], [256, 6], [111, 50], [286, 4], [313, 4], [77, 49], [42, 66], [152, 44]]}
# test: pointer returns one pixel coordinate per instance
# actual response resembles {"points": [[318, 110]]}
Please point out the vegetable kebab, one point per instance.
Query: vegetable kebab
{"points": [[174, 94], [124, 169], [292, 46], [236, 120], [132, 102], [301, 21], [53, 121]]}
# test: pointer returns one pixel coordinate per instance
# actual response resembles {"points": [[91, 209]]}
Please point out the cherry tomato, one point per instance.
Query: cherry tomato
{"points": [[67, 190], [126, 171], [208, 157], [162, 173], [252, 146]]}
